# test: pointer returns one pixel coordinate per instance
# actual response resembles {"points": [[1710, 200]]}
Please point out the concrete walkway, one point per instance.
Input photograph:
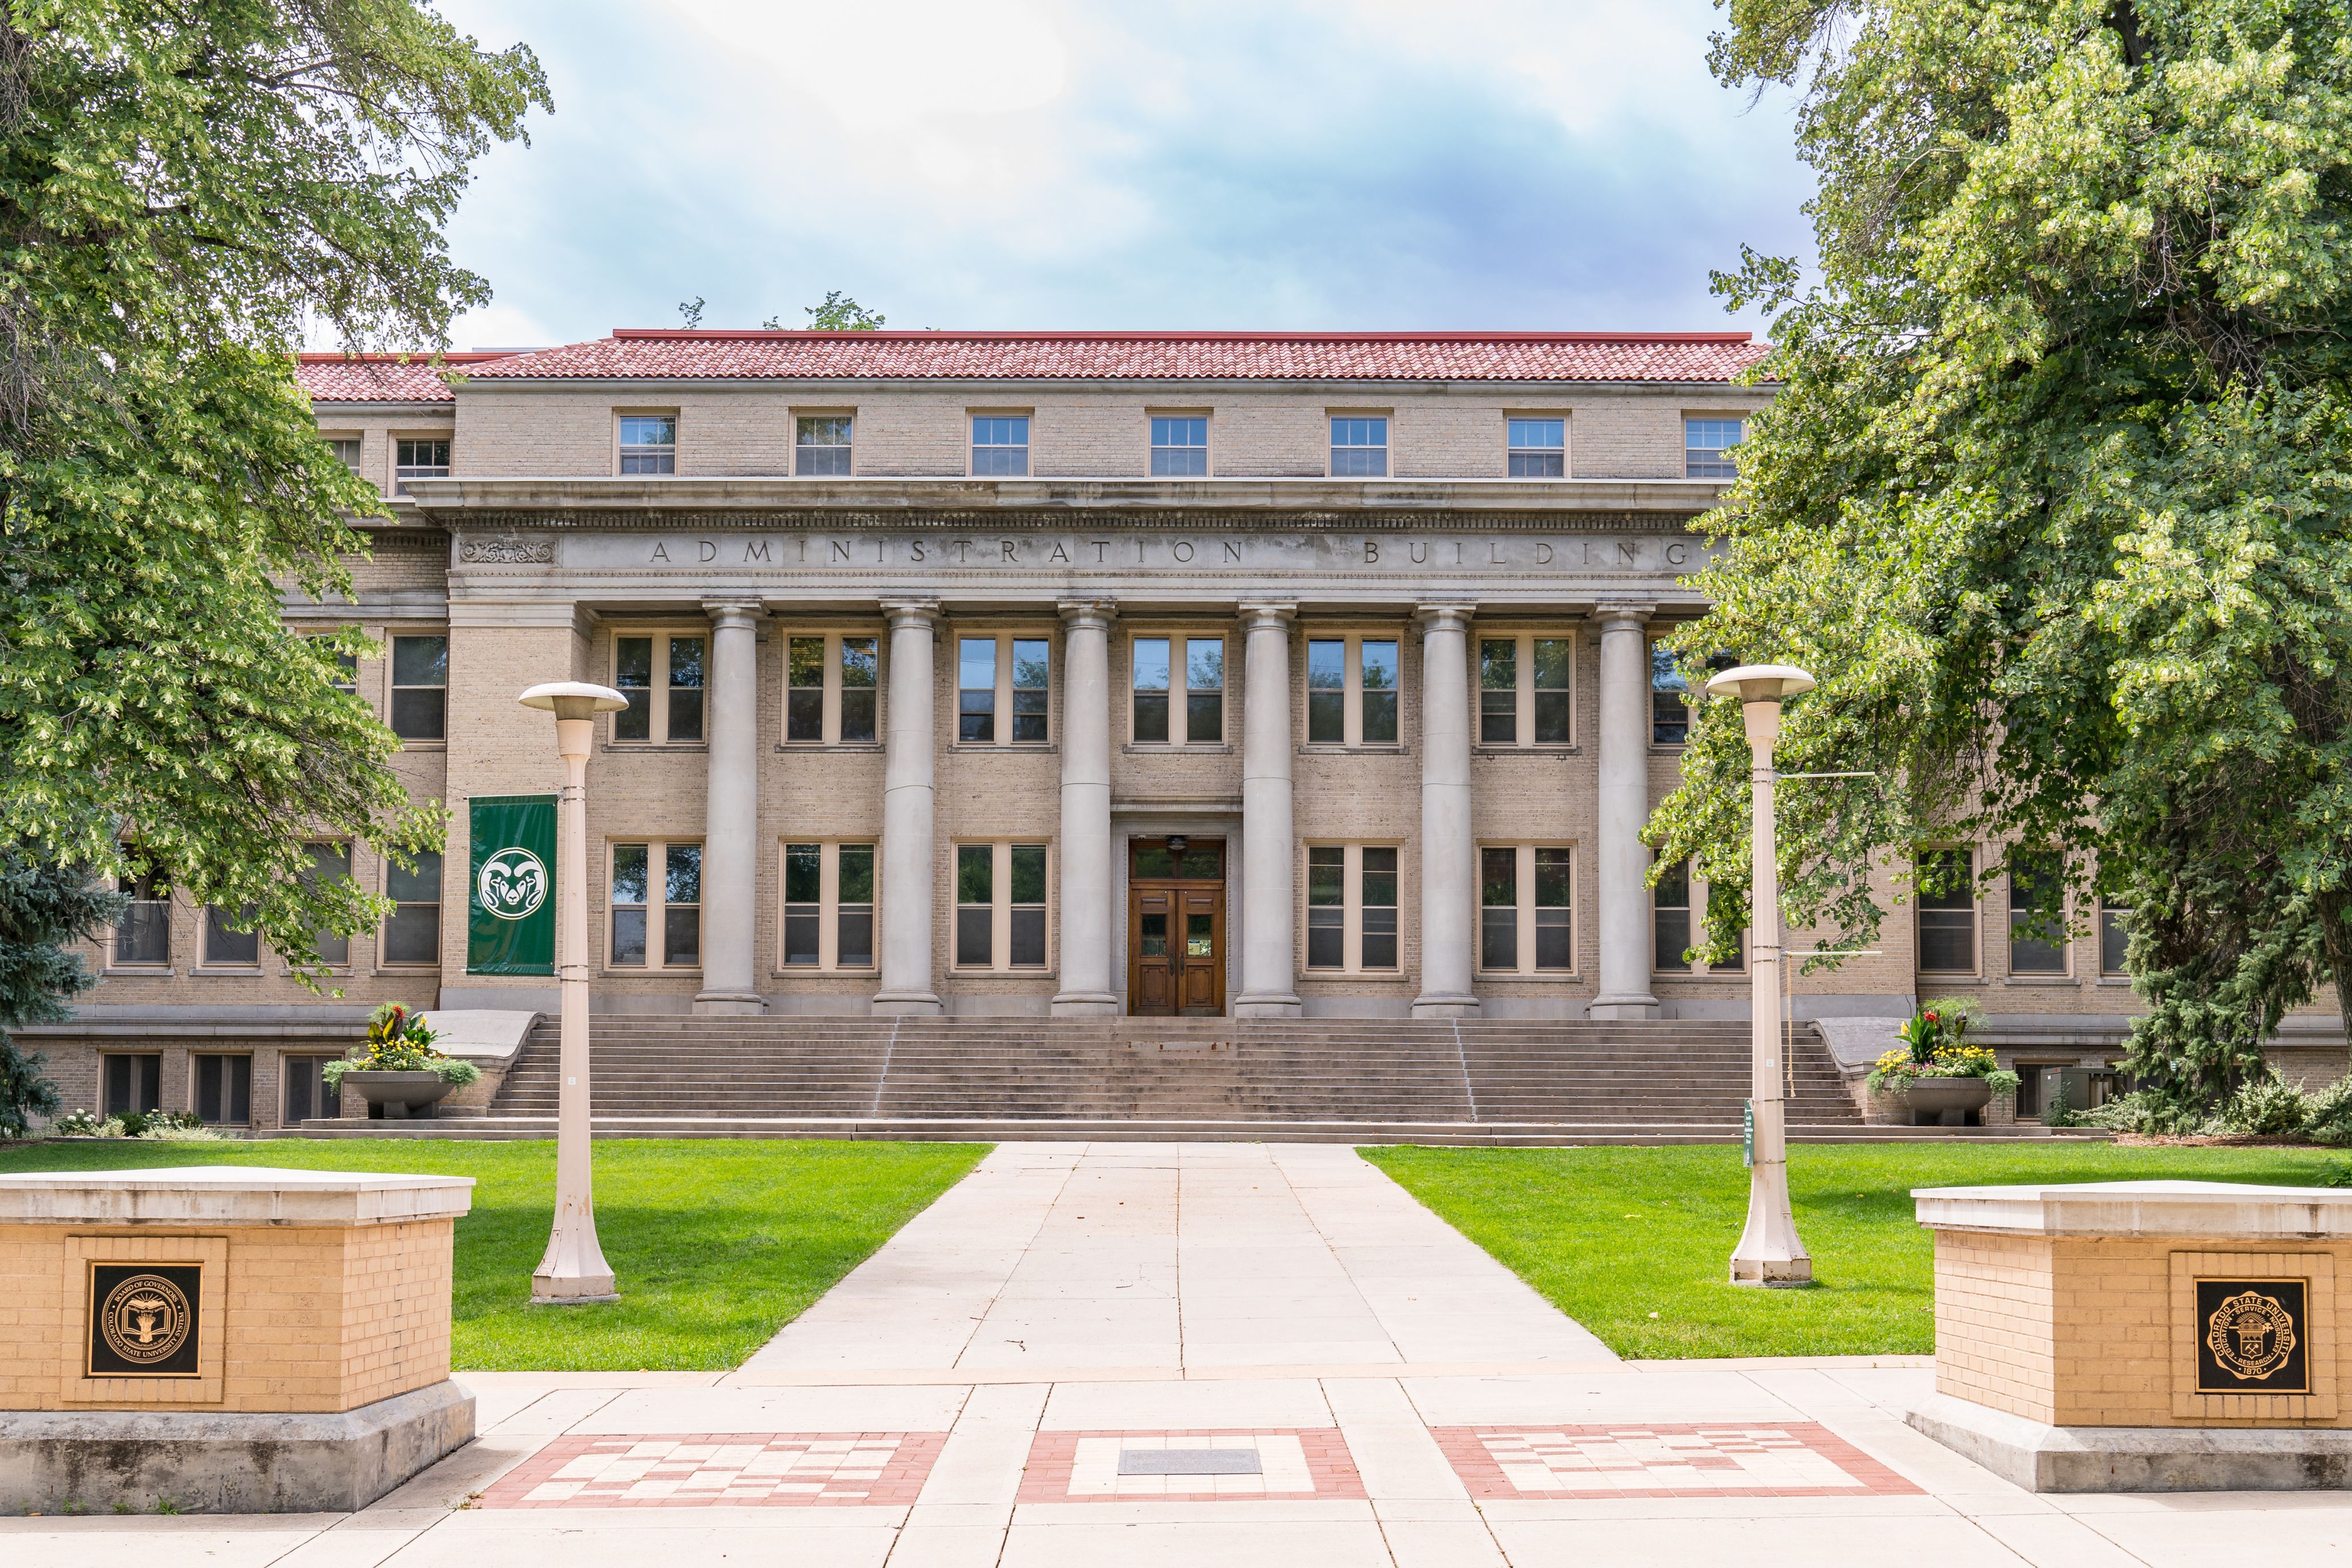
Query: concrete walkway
{"points": [[1173, 1355]]}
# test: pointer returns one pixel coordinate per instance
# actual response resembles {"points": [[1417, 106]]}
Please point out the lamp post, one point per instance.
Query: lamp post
{"points": [[1768, 1252], [573, 1269]]}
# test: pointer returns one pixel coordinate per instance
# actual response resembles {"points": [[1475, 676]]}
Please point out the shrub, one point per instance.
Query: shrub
{"points": [[2267, 1105], [2329, 1117]]}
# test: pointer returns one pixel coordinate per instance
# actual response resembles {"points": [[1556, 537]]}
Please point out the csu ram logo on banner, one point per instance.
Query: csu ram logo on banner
{"points": [[511, 914]]}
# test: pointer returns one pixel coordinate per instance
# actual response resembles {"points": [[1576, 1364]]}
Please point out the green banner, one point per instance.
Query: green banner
{"points": [[511, 909]]}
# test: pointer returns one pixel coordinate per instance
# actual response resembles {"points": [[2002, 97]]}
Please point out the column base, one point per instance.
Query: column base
{"points": [[730, 1004], [906, 1005], [1267, 1005], [1438, 1006], [1610, 1010], [1084, 1005]]}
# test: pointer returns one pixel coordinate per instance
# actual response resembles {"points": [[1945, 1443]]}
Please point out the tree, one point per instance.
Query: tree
{"points": [[2053, 493], [43, 908], [183, 189], [839, 313]]}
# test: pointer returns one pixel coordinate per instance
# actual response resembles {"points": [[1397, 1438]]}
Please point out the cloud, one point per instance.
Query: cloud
{"points": [[1047, 163]]}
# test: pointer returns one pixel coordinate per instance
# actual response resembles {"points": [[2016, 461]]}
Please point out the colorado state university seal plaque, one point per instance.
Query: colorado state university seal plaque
{"points": [[2252, 1336], [142, 1319]]}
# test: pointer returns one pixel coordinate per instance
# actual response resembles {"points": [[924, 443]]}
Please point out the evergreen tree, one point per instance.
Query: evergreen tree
{"points": [[44, 908]]}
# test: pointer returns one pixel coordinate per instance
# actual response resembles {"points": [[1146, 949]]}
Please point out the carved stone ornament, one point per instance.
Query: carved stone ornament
{"points": [[506, 552]]}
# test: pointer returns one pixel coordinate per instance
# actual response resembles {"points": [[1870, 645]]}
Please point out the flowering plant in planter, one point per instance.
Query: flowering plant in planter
{"points": [[1934, 1045], [400, 1041]]}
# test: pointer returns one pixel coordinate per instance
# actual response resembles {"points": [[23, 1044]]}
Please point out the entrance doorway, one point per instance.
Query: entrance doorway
{"points": [[1176, 928]]}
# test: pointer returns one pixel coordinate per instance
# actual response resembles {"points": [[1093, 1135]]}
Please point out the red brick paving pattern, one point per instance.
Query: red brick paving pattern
{"points": [[715, 1469], [1613, 1460], [1332, 1468]]}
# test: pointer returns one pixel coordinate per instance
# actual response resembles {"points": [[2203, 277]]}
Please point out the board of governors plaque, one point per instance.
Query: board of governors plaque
{"points": [[142, 1319], [2252, 1336]]}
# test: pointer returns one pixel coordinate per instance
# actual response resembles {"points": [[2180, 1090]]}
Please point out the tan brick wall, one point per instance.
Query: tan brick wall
{"points": [[312, 1319], [2080, 1331]]}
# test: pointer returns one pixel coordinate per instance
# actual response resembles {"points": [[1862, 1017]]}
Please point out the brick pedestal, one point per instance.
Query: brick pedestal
{"points": [[227, 1339], [2142, 1336]]}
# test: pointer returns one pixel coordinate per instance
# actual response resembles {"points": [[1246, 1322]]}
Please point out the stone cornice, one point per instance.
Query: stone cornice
{"points": [[638, 503]]}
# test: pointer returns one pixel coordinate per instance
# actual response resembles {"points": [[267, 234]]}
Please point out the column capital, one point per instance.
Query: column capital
{"points": [[1627, 614], [1258, 612], [733, 612], [911, 612], [1087, 612], [1444, 617]]}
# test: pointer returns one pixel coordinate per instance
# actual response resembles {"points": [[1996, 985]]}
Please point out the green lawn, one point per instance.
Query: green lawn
{"points": [[1633, 1243], [715, 1245]]}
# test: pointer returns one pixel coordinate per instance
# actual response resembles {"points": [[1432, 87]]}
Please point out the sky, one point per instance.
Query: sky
{"points": [[1383, 164]]}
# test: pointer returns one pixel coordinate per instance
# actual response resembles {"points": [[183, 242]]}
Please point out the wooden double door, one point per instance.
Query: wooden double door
{"points": [[1176, 928]]}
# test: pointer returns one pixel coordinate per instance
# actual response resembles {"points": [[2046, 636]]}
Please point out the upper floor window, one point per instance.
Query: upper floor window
{"points": [[1360, 447], [1179, 704], [412, 935], [832, 681], [1538, 448], [420, 687], [1351, 691], [346, 449], [1948, 911], [1526, 916], [424, 459], [230, 940], [1669, 699], [1180, 446], [662, 678], [823, 446], [1001, 687], [2037, 913], [1351, 907], [329, 862], [657, 906], [648, 444], [1000, 444], [1706, 448], [828, 906], [1526, 690], [144, 935], [2115, 936]]}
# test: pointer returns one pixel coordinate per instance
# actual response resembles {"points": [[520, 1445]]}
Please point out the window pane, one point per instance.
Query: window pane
{"points": [[1028, 873], [1326, 870], [629, 880], [2115, 935], [1709, 444], [1498, 938], [629, 938], [975, 873], [825, 430], [225, 943], [976, 689], [973, 936], [1326, 692], [1155, 935], [1377, 677], [682, 880], [1552, 878], [2037, 921], [649, 430], [1669, 713], [1553, 717], [686, 683], [420, 661], [803, 888], [1379, 937], [1673, 935], [857, 716], [1379, 881], [860, 666], [633, 675], [1151, 673], [1205, 681], [329, 864], [1498, 718], [1947, 880], [854, 937], [1498, 664], [1032, 677], [1327, 938], [682, 937], [1360, 448], [422, 885], [412, 935], [1028, 937], [1498, 877], [1947, 941], [822, 462], [1153, 859]]}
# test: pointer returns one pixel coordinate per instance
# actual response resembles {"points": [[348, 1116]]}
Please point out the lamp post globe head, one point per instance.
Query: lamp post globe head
{"points": [[1760, 683], [574, 699]]}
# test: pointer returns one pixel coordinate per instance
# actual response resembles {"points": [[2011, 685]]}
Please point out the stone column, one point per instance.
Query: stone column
{"points": [[1625, 860], [910, 816], [730, 822], [1269, 847], [1084, 920], [1449, 855]]}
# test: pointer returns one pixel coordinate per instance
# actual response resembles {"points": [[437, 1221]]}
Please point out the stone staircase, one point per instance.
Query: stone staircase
{"points": [[1363, 1081]]}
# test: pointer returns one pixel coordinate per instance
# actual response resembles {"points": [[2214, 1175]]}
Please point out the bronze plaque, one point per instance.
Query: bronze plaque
{"points": [[2252, 1336], [142, 1319]]}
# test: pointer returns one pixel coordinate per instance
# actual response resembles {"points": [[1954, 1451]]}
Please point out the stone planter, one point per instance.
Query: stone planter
{"points": [[1947, 1100], [398, 1096]]}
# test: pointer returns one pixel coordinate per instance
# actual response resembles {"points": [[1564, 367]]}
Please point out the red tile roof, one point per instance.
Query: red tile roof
{"points": [[381, 378], [797, 355]]}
